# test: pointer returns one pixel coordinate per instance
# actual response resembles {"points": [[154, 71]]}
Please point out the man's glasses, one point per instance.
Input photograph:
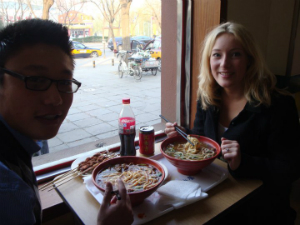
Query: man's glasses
{"points": [[36, 83]]}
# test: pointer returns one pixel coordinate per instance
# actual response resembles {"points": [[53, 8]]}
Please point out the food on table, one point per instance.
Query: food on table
{"points": [[186, 151], [87, 166], [136, 177]]}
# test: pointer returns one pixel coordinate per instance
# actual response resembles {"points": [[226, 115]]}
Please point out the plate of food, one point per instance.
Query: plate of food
{"points": [[85, 165]]}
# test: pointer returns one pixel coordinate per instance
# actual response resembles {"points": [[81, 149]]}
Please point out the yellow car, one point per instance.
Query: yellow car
{"points": [[80, 50], [155, 50]]}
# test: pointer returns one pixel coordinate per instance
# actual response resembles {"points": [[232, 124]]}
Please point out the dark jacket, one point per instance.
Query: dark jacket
{"points": [[15, 157], [269, 139]]}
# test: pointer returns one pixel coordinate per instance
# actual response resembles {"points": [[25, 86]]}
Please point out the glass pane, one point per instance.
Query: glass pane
{"points": [[92, 120]]}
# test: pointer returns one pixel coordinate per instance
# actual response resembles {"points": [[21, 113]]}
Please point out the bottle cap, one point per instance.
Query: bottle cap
{"points": [[126, 100]]}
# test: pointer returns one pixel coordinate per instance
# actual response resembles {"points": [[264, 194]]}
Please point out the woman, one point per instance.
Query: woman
{"points": [[256, 125]]}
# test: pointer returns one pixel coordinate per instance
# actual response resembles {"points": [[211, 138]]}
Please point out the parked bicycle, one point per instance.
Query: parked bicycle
{"points": [[131, 69], [147, 63]]}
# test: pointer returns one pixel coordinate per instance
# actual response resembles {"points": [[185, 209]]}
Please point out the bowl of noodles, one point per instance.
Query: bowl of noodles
{"points": [[141, 176], [190, 159]]}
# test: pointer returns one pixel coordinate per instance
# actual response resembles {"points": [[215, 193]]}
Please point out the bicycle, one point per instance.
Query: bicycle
{"points": [[131, 69], [147, 63]]}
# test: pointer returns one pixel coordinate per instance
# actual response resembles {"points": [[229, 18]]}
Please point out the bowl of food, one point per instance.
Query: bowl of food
{"points": [[190, 159], [141, 176]]}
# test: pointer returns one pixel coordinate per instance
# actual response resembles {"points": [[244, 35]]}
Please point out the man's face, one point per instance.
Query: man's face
{"points": [[36, 114]]}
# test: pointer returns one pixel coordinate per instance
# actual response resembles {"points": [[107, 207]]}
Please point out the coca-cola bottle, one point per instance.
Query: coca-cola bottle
{"points": [[127, 129]]}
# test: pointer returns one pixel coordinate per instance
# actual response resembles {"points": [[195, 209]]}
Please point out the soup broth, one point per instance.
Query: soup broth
{"points": [[136, 177], [186, 151]]}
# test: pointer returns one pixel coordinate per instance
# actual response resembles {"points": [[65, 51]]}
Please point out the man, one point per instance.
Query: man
{"points": [[36, 92]]}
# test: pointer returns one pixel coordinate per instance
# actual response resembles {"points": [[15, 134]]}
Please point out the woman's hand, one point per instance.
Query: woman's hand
{"points": [[231, 153], [170, 129], [118, 213]]}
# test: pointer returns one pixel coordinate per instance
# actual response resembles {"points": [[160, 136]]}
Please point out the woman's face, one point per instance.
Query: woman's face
{"points": [[228, 62]]}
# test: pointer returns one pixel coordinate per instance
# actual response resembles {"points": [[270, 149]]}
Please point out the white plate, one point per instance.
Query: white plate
{"points": [[82, 159], [165, 169]]}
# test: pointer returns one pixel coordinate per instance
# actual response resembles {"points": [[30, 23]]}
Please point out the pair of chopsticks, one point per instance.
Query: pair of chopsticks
{"points": [[183, 134]]}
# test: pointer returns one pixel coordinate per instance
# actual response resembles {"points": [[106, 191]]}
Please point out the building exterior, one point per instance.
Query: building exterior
{"points": [[79, 24]]}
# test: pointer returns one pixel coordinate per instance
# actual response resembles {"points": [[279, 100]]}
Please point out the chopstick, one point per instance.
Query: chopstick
{"points": [[117, 194], [183, 134], [70, 175], [66, 177], [62, 177]]}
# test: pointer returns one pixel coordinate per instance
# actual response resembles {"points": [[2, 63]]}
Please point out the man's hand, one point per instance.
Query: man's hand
{"points": [[118, 213]]}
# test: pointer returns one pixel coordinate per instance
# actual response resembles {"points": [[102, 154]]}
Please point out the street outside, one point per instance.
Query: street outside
{"points": [[96, 106]]}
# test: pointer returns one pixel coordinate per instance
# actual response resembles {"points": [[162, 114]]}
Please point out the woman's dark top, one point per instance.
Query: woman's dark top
{"points": [[269, 139]]}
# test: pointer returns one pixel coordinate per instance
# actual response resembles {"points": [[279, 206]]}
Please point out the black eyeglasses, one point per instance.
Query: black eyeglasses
{"points": [[36, 83]]}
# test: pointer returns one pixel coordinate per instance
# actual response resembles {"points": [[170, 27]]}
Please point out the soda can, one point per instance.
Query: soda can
{"points": [[146, 140]]}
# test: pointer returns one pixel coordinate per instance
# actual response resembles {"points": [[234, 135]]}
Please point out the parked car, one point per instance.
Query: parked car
{"points": [[134, 45], [110, 43], [80, 50], [119, 42], [155, 49], [142, 39]]}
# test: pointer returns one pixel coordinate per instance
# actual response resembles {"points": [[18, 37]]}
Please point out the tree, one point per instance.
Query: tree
{"points": [[13, 11], [109, 9], [46, 8], [125, 7], [155, 6], [135, 17], [67, 6], [30, 7]]}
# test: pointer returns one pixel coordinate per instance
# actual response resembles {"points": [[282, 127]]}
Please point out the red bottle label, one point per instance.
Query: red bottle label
{"points": [[126, 125]]}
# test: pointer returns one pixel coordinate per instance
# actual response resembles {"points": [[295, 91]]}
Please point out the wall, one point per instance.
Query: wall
{"points": [[206, 16], [270, 22], [296, 57]]}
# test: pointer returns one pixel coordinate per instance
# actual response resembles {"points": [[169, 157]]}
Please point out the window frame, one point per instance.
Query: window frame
{"points": [[46, 170]]}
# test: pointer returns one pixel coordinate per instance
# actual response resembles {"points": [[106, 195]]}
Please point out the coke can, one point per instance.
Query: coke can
{"points": [[146, 140]]}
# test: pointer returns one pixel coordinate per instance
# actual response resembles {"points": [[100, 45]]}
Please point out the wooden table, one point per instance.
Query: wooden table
{"points": [[220, 198]]}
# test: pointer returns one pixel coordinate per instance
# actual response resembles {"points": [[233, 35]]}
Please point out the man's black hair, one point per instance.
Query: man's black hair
{"points": [[31, 32]]}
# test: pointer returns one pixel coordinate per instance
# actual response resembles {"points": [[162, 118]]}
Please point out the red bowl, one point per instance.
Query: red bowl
{"points": [[188, 167], [136, 198]]}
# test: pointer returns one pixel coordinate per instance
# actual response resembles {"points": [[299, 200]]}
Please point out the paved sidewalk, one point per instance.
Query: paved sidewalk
{"points": [[96, 106]]}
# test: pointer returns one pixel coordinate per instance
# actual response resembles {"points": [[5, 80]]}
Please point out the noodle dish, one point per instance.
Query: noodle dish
{"points": [[190, 159], [187, 151], [136, 177], [141, 176]]}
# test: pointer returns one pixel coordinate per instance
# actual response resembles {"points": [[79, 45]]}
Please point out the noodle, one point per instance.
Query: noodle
{"points": [[199, 151], [136, 178]]}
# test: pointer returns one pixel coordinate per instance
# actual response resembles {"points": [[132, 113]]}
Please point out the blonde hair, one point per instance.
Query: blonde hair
{"points": [[259, 81]]}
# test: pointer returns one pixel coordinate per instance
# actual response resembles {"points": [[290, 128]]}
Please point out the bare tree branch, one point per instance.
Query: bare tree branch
{"points": [[109, 10], [31, 10], [67, 6], [155, 6]]}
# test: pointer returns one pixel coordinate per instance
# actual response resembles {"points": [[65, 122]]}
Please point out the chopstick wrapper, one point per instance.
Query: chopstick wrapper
{"points": [[180, 193]]}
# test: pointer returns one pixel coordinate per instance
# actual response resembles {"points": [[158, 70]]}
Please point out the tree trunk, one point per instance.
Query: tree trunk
{"points": [[111, 31], [125, 7], [46, 8]]}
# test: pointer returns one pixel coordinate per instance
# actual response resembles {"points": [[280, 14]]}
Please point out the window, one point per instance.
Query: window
{"points": [[92, 119]]}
